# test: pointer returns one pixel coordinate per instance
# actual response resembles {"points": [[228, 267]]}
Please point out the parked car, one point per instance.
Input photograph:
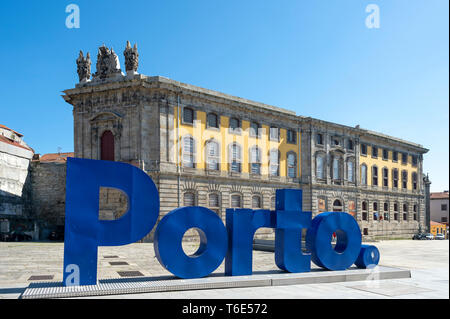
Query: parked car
{"points": [[19, 236], [440, 236], [429, 236], [420, 236]]}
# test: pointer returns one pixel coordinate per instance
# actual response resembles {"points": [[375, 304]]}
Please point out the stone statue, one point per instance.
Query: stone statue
{"points": [[84, 67], [107, 63], [131, 58]]}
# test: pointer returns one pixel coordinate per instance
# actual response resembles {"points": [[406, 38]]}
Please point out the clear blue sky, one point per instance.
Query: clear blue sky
{"points": [[317, 58]]}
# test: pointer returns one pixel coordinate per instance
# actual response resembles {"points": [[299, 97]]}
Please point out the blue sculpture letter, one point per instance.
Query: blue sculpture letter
{"points": [[213, 242], [290, 220], [84, 232], [348, 244]]}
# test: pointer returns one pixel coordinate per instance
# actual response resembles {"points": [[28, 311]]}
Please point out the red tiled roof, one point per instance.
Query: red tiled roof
{"points": [[56, 157], [7, 128], [14, 143], [442, 195]]}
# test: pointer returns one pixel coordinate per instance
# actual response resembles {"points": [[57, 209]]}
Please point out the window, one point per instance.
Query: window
{"points": [[188, 152], [386, 207], [414, 160], [404, 158], [291, 136], [395, 211], [272, 202], [212, 120], [235, 158], [254, 129], [375, 211], [363, 149], [213, 200], [336, 142], [415, 208], [444, 207], [414, 180], [374, 176], [443, 219], [405, 211], [404, 179], [385, 154], [395, 156], [350, 145], [291, 167], [189, 199], [255, 160], [274, 160], [274, 133], [364, 210], [188, 115], [256, 201], [319, 139], [374, 151], [364, 174], [336, 168], [395, 178], [234, 125], [320, 166], [236, 201], [212, 156], [385, 177], [107, 146], [350, 170]]}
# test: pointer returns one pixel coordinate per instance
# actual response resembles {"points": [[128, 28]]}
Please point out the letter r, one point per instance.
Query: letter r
{"points": [[84, 232]]}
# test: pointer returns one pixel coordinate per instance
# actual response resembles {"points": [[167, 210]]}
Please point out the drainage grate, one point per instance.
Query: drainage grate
{"points": [[41, 277], [110, 256], [118, 263], [130, 273]]}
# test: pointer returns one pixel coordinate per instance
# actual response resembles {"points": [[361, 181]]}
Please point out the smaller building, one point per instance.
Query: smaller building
{"points": [[439, 207], [438, 228]]}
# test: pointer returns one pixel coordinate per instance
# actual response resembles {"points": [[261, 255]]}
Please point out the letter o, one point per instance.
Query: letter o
{"points": [[368, 257], [169, 235], [348, 245]]}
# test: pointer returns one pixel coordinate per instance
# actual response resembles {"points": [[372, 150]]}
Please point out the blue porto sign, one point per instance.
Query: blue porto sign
{"points": [[84, 232]]}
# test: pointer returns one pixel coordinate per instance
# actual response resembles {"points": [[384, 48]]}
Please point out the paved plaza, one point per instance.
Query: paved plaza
{"points": [[428, 261]]}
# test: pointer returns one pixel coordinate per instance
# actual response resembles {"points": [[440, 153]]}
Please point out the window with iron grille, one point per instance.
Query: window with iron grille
{"points": [[236, 201], [189, 199], [256, 201], [213, 200]]}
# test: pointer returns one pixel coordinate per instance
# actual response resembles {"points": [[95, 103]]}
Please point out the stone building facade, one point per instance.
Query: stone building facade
{"points": [[207, 148]]}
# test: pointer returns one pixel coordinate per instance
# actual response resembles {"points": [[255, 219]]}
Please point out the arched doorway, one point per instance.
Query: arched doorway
{"points": [[337, 206], [107, 146]]}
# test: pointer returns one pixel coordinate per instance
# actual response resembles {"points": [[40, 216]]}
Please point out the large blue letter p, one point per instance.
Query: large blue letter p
{"points": [[84, 232]]}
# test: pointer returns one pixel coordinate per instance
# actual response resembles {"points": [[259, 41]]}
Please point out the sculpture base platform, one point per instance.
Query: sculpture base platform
{"points": [[214, 281]]}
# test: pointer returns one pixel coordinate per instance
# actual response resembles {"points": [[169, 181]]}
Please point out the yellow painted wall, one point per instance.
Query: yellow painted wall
{"points": [[201, 135], [390, 164]]}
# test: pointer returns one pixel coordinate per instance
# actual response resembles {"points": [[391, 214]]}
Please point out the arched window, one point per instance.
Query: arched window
{"points": [[274, 164], [107, 146], [364, 174], [235, 158], [376, 214], [320, 166], [236, 201], [336, 168], [350, 171], [291, 165], [255, 160], [212, 155], [189, 199], [212, 120], [256, 201], [188, 152], [234, 124]]}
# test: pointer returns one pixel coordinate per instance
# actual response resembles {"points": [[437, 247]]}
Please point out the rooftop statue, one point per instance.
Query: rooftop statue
{"points": [[107, 63], [131, 58], [84, 67]]}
